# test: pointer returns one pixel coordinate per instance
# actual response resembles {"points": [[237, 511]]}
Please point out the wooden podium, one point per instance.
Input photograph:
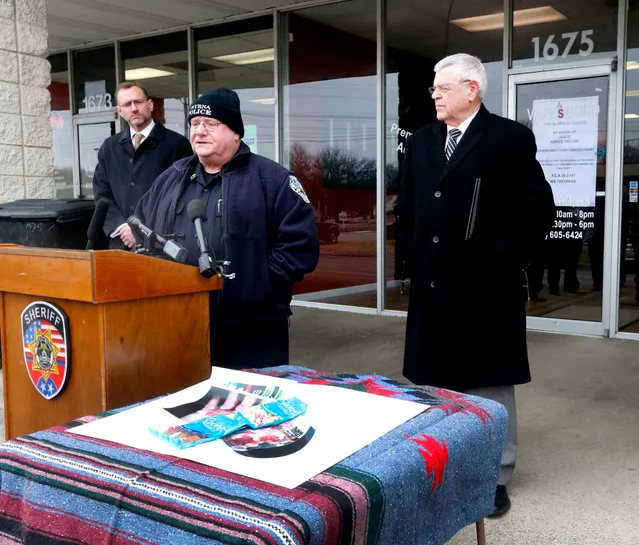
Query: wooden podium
{"points": [[138, 328]]}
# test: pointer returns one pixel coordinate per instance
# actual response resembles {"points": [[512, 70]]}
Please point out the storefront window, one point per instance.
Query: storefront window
{"points": [[61, 126], [415, 42], [94, 80], [330, 135], [240, 56], [566, 31], [94, 86], [328, 128], [160, 64]]}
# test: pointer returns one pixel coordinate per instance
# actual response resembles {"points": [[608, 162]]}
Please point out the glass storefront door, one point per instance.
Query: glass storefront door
{"points": [[567, 110], [90, 133]]}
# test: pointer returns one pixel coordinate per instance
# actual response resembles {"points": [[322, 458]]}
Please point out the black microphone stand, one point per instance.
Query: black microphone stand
{"points": [[151, 246], [206, 265]]}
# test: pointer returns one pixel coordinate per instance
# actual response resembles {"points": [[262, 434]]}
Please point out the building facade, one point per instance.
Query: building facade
{"points": [[334, 90]]}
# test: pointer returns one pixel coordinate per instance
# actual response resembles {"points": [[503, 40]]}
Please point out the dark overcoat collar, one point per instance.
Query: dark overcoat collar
{"points": [[155, 136], [471, 138]]}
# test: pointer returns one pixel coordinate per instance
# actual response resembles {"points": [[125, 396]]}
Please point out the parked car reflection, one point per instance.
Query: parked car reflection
{"points": [[327, 228]]}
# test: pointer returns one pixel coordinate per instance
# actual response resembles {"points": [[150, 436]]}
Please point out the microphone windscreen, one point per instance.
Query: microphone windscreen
{"points": [[196, 209]]}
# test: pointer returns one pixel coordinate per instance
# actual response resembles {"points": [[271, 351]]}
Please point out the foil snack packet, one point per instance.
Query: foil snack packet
{"points": [[215, 427], [181, 437], [273, 412]]}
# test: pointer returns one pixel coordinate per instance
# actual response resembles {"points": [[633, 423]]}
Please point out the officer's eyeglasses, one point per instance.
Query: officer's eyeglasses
{"points": [[138, 102], [209, 126], [443, 89]]}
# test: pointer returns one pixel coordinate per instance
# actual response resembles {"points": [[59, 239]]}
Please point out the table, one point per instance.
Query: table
{"points": [[419, 484]]}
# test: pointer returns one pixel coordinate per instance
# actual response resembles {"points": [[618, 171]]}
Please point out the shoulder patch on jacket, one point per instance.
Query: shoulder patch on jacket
{"points": [[297, 187]]}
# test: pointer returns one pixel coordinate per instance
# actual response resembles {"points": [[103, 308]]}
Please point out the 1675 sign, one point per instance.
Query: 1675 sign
{"points": [[570, 43]]}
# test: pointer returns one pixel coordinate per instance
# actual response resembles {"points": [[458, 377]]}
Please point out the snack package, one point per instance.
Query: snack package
{"points": [[200, 431], [273, 412], [217, 426], [181, 437]]}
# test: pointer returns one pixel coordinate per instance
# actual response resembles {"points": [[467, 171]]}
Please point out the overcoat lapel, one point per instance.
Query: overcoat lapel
{"points": [[125, 141], [435, 146], [476, 130]]}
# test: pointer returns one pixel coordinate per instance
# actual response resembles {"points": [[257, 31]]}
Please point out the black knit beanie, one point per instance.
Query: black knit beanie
{"points": [[222, 104]]}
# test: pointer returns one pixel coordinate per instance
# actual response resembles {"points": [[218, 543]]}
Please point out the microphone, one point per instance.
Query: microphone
{"points": [[94, 231], [196, 211], [171, 248]]}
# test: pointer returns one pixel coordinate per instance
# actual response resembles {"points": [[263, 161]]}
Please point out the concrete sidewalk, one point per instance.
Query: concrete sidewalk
{"points": [[577, 480]]}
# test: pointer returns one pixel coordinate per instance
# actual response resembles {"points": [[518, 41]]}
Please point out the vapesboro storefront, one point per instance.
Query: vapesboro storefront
{"points": [[334, 90]]}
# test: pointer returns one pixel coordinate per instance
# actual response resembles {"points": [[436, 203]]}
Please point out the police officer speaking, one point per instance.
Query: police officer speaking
{"points": [[258, 218]]}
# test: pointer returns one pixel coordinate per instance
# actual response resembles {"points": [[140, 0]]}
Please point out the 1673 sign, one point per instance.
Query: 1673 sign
{"points": [[98, 103]]}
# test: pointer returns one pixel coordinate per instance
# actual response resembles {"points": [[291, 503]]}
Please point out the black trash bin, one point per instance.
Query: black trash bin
{"points": [[46, 223]]}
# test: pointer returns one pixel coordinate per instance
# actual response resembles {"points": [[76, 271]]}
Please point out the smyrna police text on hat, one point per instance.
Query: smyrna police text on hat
{"points": [[200, 109]]}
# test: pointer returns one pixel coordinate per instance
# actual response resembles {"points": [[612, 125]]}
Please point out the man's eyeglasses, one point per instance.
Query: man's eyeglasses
{"points": [[209, 126], [443, 89], [138, 102]]}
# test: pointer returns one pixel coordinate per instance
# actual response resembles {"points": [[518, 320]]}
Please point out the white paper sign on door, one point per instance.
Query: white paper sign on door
{"points": [[566, 131]]}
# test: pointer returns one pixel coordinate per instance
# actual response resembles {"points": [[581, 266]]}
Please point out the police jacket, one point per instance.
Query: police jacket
{"points": [[124, 174], [268, 231]]}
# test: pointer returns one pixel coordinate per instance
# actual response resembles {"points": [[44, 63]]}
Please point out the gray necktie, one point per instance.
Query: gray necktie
{"points": [[453, 135]]}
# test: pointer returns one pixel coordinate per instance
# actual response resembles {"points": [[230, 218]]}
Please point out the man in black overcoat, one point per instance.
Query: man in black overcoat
{"points": [[130, 161], [473, 210]]}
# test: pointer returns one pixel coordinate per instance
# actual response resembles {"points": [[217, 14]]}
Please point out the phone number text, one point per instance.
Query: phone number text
{"points": [[566, 234]]}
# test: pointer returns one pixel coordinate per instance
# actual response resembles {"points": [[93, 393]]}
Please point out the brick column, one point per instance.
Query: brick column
{"points": [[26, 154]]}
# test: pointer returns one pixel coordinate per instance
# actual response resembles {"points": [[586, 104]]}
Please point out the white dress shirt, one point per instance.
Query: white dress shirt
{"points": [[462, 128], [145, 132]]}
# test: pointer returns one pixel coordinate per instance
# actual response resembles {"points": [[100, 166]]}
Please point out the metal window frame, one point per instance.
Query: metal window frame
{"points": [[507, 52], [280, 73], [120, 76], [380, 184], [70, 69], [617, 167], [191, 53], [282, 82]]}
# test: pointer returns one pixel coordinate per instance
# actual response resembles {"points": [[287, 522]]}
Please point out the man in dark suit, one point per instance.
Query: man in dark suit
{"points": [[473, 209], [130, 161]]}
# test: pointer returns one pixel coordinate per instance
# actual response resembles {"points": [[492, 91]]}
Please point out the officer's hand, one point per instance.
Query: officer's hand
{"points": [[127, 237]]}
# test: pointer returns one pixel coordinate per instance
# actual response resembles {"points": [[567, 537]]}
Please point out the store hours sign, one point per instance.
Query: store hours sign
{"points": [[566, 132]]}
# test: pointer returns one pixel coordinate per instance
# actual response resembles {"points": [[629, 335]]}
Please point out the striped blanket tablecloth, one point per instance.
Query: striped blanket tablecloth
{"points": [[419, 484]]}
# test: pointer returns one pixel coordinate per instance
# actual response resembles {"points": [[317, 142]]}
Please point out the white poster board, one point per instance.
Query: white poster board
{"points": [[342, 422], [566, 132]]}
